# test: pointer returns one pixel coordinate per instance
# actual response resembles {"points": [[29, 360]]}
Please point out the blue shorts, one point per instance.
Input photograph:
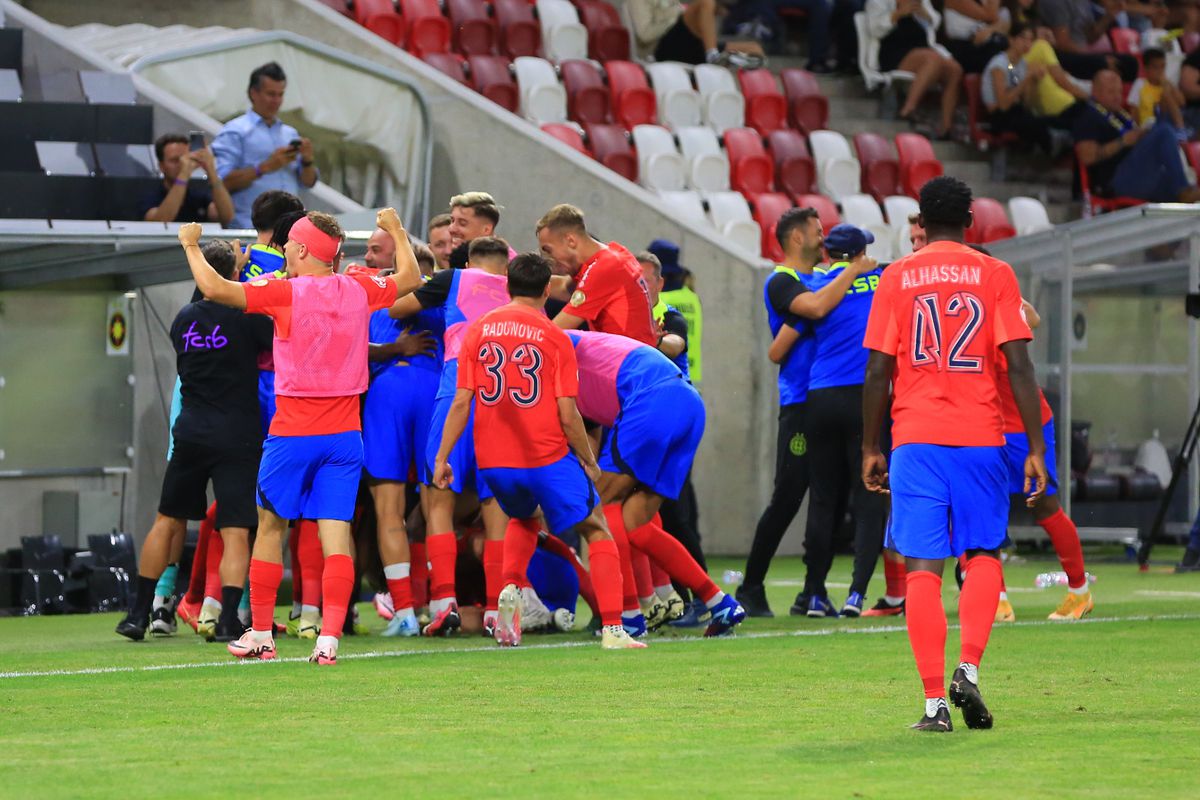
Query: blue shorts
{"points": [[655, 437], [554, 580], [311, 477], [396, 417], [947, 500], [1016, 449], [462, 457], [266, 398], [562, 489]]}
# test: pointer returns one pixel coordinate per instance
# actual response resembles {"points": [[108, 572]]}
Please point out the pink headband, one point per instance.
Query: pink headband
{"points": [[323, 246]]}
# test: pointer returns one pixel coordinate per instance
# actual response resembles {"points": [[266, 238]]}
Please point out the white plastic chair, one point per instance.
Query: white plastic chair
{"points": [[708, 166], [1028, 215], [563, 35], [898, 208], [730, 214], [686, 205], [543, 99], [838, 171], [678, 103], [868, 58], [723, 104], [660, 166], [862, 210]]}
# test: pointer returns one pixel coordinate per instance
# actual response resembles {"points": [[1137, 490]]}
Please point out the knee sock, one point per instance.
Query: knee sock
{"points": [[265, 578], [977, 606], [143, 598], [675, 559], [443, 552], [661, 580], [297, 578], [231, 598], [606, 572], [493, 571], [337, 583], [552, 544], [195, 592], [926, 619], [312, 566], [166, 584], [212, 573], [520, 540], [641, 576], [893, 576], [1065, 539], [399, 582], [616, 525], [420, 574]]}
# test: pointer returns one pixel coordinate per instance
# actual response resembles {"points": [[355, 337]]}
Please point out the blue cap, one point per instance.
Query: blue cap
{"points": [[668, 254], [848, 239]]}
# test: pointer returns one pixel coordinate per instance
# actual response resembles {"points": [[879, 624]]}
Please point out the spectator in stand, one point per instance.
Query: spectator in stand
{"points": [[174, 200], [1123, 159], [906, 30], [1056, 97], [1078, 33], [757, 16], [976, 30], [1008, 86], [845, 35], [257, 151], [688, 34], [1153, 97], [440, 241]]}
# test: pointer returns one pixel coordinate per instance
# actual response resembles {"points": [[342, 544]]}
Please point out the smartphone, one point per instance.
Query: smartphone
{"points": [[294, 144], [196, 141]]}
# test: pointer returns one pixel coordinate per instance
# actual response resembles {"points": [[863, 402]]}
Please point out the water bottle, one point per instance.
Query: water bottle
{"points": [[731, 577]]}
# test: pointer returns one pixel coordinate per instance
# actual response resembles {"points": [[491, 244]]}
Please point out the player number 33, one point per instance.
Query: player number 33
{"points": [[527, 358]]}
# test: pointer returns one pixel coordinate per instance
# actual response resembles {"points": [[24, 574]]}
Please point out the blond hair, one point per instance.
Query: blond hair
{"points": [[562, 217], [482, 203]]}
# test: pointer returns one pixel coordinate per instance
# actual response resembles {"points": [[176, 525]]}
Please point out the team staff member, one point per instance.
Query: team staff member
{"points": [[675, 292]]}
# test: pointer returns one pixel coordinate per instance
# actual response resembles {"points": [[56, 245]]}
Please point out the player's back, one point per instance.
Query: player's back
{"points": [[473, 293], [839, 358], [615, 282], [943, 312], [613, 369]]}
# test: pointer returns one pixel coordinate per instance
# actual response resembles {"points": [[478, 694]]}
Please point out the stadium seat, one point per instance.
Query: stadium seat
{"points": [[587, 96], [111, 88], [490, 77], [708, 167], [868, 58], [838, 171], [428, 30], [126, 160], [880, 169], [808, 107], [730, 214], [568, 135], [610, 146], [898, 208], [66, 158], [450, 64], [660, 165], [1126, 40], [608, 38], [977, 127], [633, 101], [989, 222], [1192, 151], [863, 210], [768, 208], [826, 209], [1028, 215], [381, 19], [543, 98], [520, 34], [918, 164], [1093, 205], [766, 107], [562, 34], [472, 31], [685, 205], [750, 169], [124, 124], [678, 103], [724, 107], [795, 171], [10, 86]]}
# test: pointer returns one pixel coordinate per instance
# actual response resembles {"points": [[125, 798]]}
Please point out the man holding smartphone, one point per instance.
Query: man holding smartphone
{"points": [[257, 151], [174, 200]]}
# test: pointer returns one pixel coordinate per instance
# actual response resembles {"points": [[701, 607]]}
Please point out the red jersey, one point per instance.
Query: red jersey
{"points": [[611, 294], [943, 312], [1008, 403], [518, 363], [311, 416]]}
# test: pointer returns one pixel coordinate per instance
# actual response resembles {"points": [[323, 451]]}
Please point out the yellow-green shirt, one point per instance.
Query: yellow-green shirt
{"points": [[1049, 99]]}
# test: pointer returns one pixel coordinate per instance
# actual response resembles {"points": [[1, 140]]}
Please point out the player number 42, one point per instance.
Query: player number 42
{"points": [[527, 358], [928, 332]]}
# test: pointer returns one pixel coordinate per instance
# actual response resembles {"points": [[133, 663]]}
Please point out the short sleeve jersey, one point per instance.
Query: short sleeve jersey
{"points": [[781, 289], [1008, 403], [517, 363], [311, 416], [611, 295], [840, 359], [943, 312]]}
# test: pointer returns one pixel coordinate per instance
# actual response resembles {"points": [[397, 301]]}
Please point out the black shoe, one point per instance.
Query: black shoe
{"points": [[965, 696], [938, 723], [800, 606], [1190, 562], [162, 621], [819, 68], [133, 628], [227, 632], [754, 601]]}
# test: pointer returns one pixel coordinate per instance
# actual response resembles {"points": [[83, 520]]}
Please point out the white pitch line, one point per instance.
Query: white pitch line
{"points": [[876, 629], [1156, 593]]}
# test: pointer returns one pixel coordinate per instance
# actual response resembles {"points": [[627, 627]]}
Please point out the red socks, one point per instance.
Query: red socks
{"points": [[641, 573], [493, 571], [312, 562], [673, 557], [616, 525], [894, 575], [520, 540], [977, 606], [606, 571], [399, 583], [926, 619], [212, 568], [337, 582], [419, 574], [443, 551], [658, 575], [265, 578], [195, 592], [1065, 539]]}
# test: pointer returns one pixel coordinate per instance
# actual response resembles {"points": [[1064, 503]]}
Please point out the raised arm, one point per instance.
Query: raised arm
{"points": [[407, 276], [816, 305], [572, 425], [211, 285]]}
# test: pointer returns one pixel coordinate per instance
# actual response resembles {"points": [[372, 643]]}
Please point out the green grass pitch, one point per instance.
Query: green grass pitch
{"points": [[786, 708]]}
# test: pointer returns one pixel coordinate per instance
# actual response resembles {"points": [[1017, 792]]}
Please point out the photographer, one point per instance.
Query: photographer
{"points": [[256, 151], [174, 200]]}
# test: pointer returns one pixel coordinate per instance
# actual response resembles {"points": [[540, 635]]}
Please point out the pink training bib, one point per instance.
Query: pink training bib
{"points": [[475, 293], [600, 356], [325, 354]]}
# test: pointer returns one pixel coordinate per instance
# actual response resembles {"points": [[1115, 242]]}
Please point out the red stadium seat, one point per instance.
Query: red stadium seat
{"points": [[428, 30], [766, 107], [490, 77], [794, 168], [520, 33], [608, 39], [567, 135], [1126, 40], [807, 106], [880, 169], [451, 64], [768, 208], [989, 222], [610, 146], [825, 207], [1192, 150], [587, 96], [381, 19], [633, 101], [750, 169], [1093, 205], [918, 164], [473, 31], [977, 115]]}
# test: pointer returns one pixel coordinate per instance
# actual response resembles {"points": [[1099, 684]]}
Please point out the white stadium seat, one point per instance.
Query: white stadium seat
{"points": [[730, 214], [862, 210], [724, 107], [563, 35], [543, 99], [660, 166], [678, 103], [898, 208], [838, 171], [868, 57], [1028, 215], [685, 205], [708, 167]]}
